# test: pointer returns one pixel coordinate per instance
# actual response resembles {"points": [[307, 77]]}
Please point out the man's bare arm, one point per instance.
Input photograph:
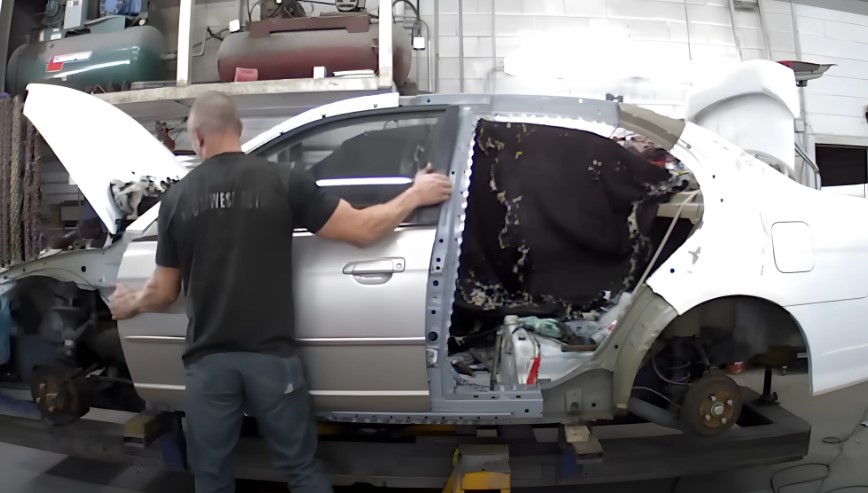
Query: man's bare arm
{"points": [[161, 290], [361, 227]]}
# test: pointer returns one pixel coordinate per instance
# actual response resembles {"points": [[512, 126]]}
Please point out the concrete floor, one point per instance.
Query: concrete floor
{"points": [[832, 415]]}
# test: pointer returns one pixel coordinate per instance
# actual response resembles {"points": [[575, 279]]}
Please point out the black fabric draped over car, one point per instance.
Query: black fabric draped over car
{"points": [[555, 217]]}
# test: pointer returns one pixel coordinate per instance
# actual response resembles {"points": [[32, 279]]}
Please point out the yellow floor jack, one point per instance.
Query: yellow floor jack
{"points": [[480, 468]]}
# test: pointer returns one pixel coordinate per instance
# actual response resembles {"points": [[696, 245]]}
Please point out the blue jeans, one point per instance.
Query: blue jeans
{"points": [[220, 388]]}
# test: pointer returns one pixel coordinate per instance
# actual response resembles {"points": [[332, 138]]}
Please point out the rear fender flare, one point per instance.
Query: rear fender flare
{"points": [[647, 317], [646, 320]]}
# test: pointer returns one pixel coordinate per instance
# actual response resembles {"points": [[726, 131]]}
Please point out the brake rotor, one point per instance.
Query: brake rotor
{"points": [[712, 405], [60, 393]]}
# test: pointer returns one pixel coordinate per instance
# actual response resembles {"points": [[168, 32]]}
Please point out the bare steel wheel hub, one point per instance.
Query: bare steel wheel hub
{"points": [[60, 393], [712, 405]]}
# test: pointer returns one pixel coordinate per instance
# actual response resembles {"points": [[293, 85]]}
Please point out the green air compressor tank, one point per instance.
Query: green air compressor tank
{"points": [[108, 60]]}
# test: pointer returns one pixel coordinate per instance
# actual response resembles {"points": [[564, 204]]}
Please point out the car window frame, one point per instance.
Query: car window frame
{"points": [[442, 141], [443, 138]]}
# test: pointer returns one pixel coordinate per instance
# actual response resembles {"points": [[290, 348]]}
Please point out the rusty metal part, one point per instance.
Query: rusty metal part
{"points": [[60, 392], [712, 405], [162, 131]]}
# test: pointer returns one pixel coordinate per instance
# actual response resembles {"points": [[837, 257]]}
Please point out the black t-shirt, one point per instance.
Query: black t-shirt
{"points": [[228, 226]]}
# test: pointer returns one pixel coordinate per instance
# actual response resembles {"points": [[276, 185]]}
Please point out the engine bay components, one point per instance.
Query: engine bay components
{"points": [[290, 48]]}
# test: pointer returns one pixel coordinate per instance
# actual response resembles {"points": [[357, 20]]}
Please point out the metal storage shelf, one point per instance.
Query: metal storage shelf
{"points": [[256, 99]]}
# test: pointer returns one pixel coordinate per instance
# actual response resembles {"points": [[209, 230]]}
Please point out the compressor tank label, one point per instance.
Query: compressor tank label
{"points": [[57, 61]]}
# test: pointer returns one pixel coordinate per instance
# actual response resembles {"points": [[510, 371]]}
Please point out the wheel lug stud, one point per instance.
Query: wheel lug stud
{"points": [[708, 417]]}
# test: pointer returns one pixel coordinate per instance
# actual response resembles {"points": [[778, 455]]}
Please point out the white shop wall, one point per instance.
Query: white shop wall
{"points": [[836, 103], [586, 47], [591, 43]]}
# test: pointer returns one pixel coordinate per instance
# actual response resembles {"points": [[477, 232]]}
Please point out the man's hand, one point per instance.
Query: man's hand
{"points": [[431, 187], [161, 290], [362, 227], [122, 303]]}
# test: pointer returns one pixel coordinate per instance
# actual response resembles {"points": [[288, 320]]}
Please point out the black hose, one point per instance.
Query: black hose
{"points": [[412, 7]]}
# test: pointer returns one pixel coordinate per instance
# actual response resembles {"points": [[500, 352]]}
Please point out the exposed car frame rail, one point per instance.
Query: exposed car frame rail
{"points": [[421, 456]]}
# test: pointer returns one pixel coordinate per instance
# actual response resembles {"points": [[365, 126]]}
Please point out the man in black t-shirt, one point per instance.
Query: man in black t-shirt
{"points": [[225, 237]]}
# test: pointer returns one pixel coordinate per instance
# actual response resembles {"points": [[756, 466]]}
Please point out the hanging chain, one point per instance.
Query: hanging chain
{"points": [[20, 185], [27, 213], [5, 154], [35, 193], [15, 182]]}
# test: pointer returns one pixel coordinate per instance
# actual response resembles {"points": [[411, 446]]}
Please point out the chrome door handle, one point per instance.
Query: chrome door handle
{"points": [[389, 265]]}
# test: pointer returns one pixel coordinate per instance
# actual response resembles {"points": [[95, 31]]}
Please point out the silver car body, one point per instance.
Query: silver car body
{"points": [[373, 322]]}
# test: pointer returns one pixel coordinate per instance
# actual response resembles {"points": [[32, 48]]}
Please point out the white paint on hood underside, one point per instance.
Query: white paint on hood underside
{"points": [[97, 143]]}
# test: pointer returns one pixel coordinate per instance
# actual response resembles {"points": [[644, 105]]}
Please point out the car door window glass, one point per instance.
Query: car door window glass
{"points": [[364, 160], [367, 160]]}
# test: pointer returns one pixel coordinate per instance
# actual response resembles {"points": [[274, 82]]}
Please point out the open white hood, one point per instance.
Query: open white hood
{"points": [[97, 143]]}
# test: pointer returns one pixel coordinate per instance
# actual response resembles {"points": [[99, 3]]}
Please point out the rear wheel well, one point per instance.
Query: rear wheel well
{"points": [[738, 328], [679, 374]]}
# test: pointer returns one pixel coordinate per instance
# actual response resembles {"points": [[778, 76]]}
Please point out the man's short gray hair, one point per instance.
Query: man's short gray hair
{"points": [[213, 113]]}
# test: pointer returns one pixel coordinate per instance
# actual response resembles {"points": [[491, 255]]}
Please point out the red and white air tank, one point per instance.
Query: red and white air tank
{"points": [[291, 48]]}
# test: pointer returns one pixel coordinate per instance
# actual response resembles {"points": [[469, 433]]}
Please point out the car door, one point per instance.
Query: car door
{"points": [[360, 312]]}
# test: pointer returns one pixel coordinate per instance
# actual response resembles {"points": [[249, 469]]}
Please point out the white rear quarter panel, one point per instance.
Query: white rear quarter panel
{"points": [[820, 274]]}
